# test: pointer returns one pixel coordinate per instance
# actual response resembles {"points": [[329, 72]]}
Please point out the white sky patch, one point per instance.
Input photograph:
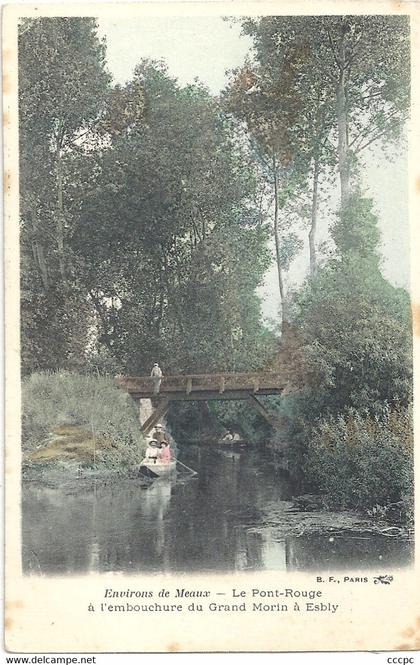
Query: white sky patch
{"points": [[205, 48]]}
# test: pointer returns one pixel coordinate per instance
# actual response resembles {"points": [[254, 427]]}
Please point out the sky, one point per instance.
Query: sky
{"points": [[200, 46], [207, 47]]}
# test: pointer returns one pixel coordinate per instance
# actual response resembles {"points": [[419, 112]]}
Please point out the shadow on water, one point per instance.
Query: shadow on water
{"points": [[219, 520]]}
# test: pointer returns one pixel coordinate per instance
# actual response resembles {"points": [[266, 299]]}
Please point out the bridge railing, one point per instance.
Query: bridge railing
{"points": [[220, 382]]}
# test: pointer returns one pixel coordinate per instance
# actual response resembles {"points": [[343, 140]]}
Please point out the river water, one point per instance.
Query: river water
{"points": [[234, 515]]}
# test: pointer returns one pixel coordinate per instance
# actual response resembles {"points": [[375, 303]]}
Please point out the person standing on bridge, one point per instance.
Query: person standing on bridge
{"points": [[156, 375]]}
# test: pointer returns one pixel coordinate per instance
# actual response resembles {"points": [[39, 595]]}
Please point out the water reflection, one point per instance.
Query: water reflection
{"points": [[208, 523], [347, 552]]}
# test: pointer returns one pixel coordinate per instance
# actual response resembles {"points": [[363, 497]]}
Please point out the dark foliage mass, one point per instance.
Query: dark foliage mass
{"points": [[351, 423], [141, 228]]}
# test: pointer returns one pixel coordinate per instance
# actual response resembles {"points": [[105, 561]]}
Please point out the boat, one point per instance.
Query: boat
{"points": [[152, 469], [229, 453], [229, 443]]}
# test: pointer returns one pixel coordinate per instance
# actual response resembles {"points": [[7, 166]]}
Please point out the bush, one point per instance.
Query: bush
{"points": [[55, 399], [360, 462], [357, 337]]}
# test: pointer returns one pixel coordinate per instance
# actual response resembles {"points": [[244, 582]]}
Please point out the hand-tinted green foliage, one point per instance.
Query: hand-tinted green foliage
{"points": [[266, 97], [357, 336], [356, 230], [54, 324], [62, 84], [371, 53], [171, 243], [141, 232], [350, 426], [198, 421], [356, 327], [283, 93], [193, 422], [144, 238], [54, 399], [359, 461], [243, 417], [319, 90]]}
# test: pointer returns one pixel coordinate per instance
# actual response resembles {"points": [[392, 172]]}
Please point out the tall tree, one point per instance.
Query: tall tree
{"points": [[349, 87], [362, 65], [171, 240], [367, 60], [62, 86], [252, 96], [277, 49]]}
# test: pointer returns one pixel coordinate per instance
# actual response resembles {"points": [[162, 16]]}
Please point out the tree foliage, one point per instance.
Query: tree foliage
{"points": [[357, 332], [317, 92], [62, 84], [144, 230]]}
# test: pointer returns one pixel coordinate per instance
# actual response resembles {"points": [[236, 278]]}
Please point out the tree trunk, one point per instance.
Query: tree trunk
{"points": [[169, 293], [38, 252], [342, 126], [314, 217], [99, 309], [277, 239], [159, 316], [60, 215], [40, 259]]}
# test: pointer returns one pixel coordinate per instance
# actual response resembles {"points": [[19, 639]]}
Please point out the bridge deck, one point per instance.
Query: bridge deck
{"points": [[206, 386]]}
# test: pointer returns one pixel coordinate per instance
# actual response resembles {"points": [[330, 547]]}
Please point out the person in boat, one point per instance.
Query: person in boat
{"points": [[160, 433], [152, 450], [228, 436], [165, 455], [156, 375]]}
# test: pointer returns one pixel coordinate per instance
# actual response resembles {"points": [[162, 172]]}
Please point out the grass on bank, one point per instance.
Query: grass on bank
{"points": [[68, 416]]}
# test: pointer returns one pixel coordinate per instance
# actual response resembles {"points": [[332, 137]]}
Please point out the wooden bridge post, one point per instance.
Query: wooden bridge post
{"points": [[159, 412], [145, 409], [262, 410]]}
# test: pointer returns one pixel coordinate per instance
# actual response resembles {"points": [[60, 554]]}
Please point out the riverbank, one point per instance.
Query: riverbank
{"points": [[72, 475], [72, 456], [79, 419]]}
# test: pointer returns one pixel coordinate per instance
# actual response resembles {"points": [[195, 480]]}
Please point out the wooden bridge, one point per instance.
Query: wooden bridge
{"points": [[204, 387]]}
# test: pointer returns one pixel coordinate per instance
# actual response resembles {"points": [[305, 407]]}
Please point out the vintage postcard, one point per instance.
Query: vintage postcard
{"points": [[212, 320]]}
